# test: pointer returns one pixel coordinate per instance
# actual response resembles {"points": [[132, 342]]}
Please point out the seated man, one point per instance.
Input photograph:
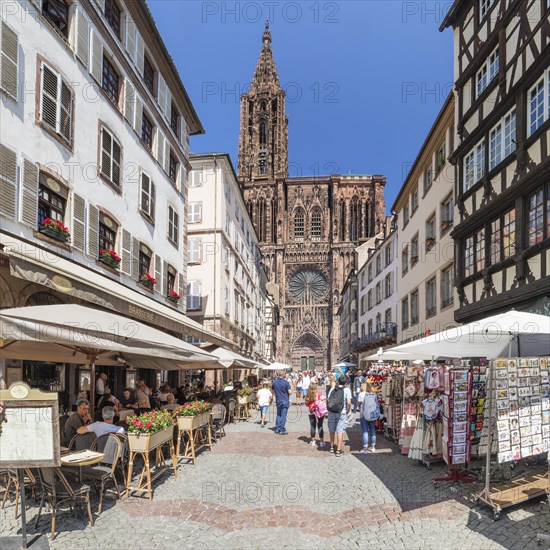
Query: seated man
{"points": [[105, 427], [171, 404], [77, 420], [128, 401]]}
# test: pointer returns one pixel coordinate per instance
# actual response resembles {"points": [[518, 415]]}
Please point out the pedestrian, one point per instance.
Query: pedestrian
{"points": [[369, 408], [330, 382], [264, 398], [339, 406], [317, 405], [282, 391], [306, 381], [357, 388], [299, 394]]}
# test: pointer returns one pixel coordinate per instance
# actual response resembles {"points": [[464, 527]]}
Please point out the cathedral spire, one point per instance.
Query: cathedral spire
{"points": [[265, 77]]}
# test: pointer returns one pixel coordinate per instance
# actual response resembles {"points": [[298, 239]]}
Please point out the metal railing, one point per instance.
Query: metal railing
{"points": [[388, 330]]}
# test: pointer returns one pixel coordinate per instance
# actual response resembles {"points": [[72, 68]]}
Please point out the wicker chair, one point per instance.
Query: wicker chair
{"points": [[11, 481], [231, 410], [105, 471], [56, 490], [218, 420], [81, 442]]}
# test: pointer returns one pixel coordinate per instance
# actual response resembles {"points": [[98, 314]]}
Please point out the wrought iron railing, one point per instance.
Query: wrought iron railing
{"points": [[388, 330]]}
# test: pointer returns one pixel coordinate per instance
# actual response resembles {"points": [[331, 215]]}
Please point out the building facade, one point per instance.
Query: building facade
{"points": [[502, 81], [226, 286], [307, 227], [377, 279], [424, 207], [94, 163], [347, 315]]}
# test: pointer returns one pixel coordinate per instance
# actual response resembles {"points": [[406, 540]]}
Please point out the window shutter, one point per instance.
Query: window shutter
{"points": [[167, 155], [79, 222], [164, 278], [161, 92], [126, 263], [65, 124], [8, 60], [181, 287], [130, 37], [140, 53], [159, 149], [106, 147], [129, 102], [117, 154], [153, 198], [49, 97], [168, 104], [158, 273], [8, 181], [135, 259], [29, 198], [145, 193], [82, 38], [100, 4], [93, 231], [96, 57], [138, 115], [182, 132], [180, 179]]}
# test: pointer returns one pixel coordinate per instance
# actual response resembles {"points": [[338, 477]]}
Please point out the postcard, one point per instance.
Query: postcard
{"points": [[526, 451], [459, 427], [506, 456], [503, 413], [504, 446], [515, 437]]}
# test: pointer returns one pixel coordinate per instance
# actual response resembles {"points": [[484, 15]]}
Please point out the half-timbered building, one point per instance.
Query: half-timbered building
{"points": [[502, 81]]}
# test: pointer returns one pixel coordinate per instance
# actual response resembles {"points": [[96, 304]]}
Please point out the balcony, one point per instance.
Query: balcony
{"points": [[386, 334]]}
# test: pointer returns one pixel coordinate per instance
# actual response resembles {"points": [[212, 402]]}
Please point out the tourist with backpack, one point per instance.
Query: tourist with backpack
{"points": [[369, 409], [317, 404], [339, 406]]}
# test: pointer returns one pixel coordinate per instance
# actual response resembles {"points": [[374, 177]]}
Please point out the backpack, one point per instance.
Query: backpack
{"points": [[370, 409], [320, 406], [336, 400]]}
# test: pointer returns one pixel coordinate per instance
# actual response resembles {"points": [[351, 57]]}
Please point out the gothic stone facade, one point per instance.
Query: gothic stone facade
{"points": [[308, 227]]}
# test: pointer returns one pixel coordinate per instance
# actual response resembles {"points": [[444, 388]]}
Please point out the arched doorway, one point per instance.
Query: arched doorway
{"points": [[307, 352]]}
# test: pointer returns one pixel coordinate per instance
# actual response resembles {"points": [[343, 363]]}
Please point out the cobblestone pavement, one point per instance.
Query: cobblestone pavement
{"points": [[256, 489]]}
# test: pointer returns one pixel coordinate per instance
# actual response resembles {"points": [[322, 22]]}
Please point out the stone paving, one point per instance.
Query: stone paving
{"points": [[256, 489]]}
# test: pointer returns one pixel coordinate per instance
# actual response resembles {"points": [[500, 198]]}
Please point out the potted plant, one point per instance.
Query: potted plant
{"points": [[149, 430], [193, 414], [430, 241], [173, 296], [55, 229], [445, 224], [147, 281], [244, 396], [110, 258]]}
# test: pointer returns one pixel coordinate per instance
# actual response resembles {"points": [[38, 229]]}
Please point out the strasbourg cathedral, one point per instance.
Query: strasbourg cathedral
{"points": [[308, 227]]}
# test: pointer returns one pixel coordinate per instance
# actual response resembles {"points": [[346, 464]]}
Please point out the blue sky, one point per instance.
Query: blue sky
{"points": [[365, 79]]}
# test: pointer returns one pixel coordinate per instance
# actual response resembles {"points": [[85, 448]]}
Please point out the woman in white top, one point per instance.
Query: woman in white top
{"points": [[264, 398]]}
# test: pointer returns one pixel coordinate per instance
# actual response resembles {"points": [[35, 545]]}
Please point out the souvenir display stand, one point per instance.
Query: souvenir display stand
{"points": [[519, 416], [392, 395]]}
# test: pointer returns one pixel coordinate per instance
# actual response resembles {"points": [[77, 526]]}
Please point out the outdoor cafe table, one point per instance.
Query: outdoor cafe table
{"points": [[123, 414], [81, 458]]}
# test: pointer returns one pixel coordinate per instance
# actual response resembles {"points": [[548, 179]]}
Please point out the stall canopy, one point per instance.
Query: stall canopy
{"points": [[510, 334], [343, 365], [275, 366], [76, 334], [390, 355]]}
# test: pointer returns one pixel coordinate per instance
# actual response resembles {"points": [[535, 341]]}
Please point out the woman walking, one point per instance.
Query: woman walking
{"points": [[299, 386], [264, 398], [369, 410], [317, 404]]}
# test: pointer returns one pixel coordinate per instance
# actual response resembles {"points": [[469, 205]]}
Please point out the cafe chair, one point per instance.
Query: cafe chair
{"points": [[218, 420], [232, 405], [124, 455], [105, 471], [56, 490], [10, 480], [81, 442]]}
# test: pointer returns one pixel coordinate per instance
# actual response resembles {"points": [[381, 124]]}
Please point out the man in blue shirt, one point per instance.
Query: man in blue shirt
{"points": [[282, 391]]}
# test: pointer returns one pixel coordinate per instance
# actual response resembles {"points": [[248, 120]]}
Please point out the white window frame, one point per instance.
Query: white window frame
{"points": [[447, 284], [194, 212], [194, 298], [173, 225], [58, 107], [474, 165], [111, 156], [194, 253], [541, 100], [502, 139], [431, 297], [487, 72]]}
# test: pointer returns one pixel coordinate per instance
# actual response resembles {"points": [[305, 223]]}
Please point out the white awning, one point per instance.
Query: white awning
{"points": [[32, 263], [230, 359]]}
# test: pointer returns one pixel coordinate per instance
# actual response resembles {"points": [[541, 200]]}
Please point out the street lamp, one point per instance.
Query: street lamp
{"points": [[383, 332]]}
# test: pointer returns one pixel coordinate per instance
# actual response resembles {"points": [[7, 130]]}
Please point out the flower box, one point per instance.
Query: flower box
{"points": [[147, 281], [191, 422], [56, 234], [110, 258], [144, 442], [172, 298]]}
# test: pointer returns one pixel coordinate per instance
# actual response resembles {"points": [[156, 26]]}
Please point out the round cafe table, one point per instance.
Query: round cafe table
{"points": [[89, 458]]}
